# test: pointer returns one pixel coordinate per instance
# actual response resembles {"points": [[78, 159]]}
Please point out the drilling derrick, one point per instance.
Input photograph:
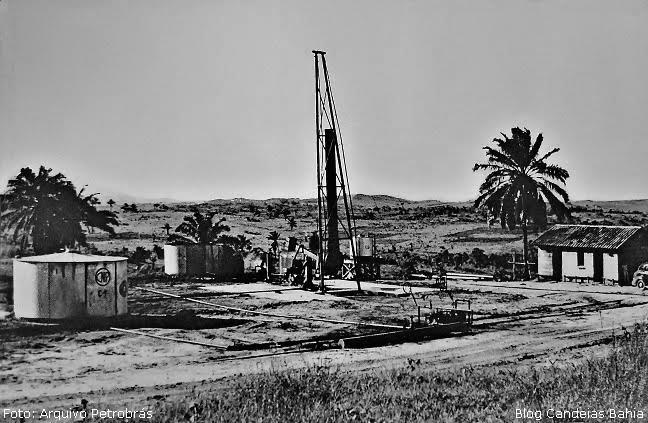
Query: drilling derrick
{"points": [[335, 221]]}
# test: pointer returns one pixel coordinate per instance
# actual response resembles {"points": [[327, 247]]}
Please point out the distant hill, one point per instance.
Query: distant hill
{"points": [[365, 201], [620, 205], [121, 198], [379, 200], [370, 201]]}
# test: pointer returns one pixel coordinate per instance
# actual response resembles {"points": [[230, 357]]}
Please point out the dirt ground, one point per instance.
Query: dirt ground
{"points": [[49, 365]]}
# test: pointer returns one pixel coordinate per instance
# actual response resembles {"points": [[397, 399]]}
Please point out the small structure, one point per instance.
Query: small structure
{"points": [[218, 260], [365, 265], [591, 253], [68, 285]]}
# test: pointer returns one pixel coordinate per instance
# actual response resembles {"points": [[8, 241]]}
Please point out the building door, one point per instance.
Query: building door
{"points": [[598, 267], [556, 263]]}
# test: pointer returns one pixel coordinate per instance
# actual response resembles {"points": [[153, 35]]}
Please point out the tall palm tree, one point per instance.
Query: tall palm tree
{"points": [[111, 203], [274, 237], [47, 210], [199, 228], [521, 184]]}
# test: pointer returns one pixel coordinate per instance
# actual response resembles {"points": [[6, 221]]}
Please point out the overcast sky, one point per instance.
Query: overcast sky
{"points": [[214, 99]]}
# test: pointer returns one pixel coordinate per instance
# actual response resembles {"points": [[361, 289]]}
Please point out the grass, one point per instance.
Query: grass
{"points": [[414, 393]]}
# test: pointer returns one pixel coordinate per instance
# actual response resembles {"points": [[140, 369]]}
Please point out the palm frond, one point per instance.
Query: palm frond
{"points": [[559, 208], [535, 149], [520, 183], [549, 154]]}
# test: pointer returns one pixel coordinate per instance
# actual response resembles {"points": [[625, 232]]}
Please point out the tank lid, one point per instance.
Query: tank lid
{"points": [[70, 258]]}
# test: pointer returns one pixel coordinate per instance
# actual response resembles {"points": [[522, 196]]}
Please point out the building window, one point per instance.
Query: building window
{"points": [[580, 258]]}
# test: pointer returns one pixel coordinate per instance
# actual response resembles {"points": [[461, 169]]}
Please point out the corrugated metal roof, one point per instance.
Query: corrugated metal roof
{"points": [[586, 236], [70, 258]]}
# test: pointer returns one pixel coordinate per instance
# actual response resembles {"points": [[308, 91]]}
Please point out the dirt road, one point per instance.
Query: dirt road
{"points": [[51, 366]]}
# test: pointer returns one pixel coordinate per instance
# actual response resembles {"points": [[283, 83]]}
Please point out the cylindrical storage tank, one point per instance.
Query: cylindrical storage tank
{"points": [[364, 246], [175, 262], [67, 285]]}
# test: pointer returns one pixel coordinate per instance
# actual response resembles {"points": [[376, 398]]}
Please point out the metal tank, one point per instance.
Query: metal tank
{"points": [[68, 285], [365, 246]]}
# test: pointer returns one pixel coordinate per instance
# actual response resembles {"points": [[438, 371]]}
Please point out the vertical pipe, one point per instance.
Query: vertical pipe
{"points": [[333, 262]]}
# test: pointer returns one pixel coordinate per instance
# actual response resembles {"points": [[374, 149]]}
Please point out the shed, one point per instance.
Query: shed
{"points": [[588, 252], [68, 285]]}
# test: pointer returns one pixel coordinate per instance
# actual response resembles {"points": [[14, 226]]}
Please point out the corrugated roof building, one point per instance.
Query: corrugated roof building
{"points": [[594, 253]]}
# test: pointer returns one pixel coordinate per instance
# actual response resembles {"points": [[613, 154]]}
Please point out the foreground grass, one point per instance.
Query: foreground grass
{"points": [[413, 393]]}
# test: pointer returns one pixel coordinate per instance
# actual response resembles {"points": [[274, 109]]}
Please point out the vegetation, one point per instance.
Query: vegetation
{"points": [[130, 208], [279, 210], [521, 184], [199, 228], [141, 255], [240, 243], [610, 385], [274, 237], [47, 211], [405, 263]]}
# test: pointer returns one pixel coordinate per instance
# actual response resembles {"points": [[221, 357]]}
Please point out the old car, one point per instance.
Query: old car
{"points": [[640, 277]]}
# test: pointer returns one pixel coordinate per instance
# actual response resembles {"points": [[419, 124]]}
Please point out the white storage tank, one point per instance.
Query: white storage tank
{"points": [[66, 285], [218, 260]]}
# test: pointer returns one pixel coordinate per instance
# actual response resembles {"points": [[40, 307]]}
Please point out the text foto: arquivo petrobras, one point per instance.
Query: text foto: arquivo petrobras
{"points": [[66, 415]]}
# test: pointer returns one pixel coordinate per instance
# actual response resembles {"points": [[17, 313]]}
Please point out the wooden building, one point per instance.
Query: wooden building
{"points": [[591, 253]]}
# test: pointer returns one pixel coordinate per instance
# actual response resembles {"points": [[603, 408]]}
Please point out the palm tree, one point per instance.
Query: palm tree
{"points": [[244, 243], [521, 184], [47, 210], [274, 237], [240, 243], [199, 228], [292, 223], [111, 203]]}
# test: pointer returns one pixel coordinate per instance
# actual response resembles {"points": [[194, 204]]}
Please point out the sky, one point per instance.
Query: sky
{"points": [[194, 100]]}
